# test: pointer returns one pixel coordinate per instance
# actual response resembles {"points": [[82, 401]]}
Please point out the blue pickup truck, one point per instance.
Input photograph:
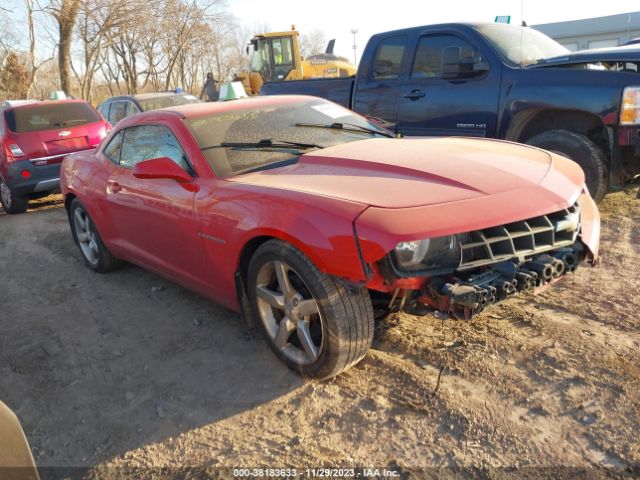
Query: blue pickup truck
{"points": [[498, 81]]}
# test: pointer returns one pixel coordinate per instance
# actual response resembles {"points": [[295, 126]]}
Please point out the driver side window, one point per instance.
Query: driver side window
{"points": [[145, 142], [429, 59]]}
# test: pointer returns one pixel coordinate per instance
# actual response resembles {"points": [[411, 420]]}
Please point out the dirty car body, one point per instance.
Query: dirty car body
{"points": [[450, 225]]}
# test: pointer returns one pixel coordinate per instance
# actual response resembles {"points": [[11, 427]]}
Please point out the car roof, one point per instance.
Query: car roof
{"points": [[36, 103], [208, 108], [195, 110], [15, 103], [146, 96]]}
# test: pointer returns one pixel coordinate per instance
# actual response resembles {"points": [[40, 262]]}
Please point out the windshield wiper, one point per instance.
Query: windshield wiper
{"points": [[264, 143], [349, 127]]}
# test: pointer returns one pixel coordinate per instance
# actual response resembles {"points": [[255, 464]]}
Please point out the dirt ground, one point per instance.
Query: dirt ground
{"points": [[127, 372]]}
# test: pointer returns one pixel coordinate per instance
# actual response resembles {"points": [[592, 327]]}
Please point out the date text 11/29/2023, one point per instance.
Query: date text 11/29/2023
{"points": [[324, 472]]}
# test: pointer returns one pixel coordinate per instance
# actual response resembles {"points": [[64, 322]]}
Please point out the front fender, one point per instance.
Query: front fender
{"points": [[320, 227]]}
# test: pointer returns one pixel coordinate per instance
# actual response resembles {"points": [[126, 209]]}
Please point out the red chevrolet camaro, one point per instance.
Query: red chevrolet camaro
{"points": [[305, 216]]}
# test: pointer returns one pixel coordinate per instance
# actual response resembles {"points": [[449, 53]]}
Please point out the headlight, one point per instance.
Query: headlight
{"points": [[630, 111], [429, 254]]}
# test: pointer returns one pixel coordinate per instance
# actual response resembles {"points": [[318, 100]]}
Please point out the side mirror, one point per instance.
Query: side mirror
{"points": [[162, 167], [454, 66]]}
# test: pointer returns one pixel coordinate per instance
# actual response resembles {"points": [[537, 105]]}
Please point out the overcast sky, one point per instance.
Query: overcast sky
{"points": [[338, 17]]}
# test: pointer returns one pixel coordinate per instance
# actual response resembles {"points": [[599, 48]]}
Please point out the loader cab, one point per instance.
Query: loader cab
{"points": [[274, 56]]}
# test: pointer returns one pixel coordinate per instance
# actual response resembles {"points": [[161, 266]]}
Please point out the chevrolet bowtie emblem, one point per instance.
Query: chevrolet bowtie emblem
{"points": [[64, 133]]}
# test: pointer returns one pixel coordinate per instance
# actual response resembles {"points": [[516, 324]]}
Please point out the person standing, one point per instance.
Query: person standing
{"points": [[209, 90]]}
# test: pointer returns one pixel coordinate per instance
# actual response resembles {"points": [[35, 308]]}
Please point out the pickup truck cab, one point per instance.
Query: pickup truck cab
{"points": [[499, 81]]}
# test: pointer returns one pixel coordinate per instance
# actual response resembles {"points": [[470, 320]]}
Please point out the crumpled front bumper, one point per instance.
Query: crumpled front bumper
{"points": [[466, 295], [467, 292]]}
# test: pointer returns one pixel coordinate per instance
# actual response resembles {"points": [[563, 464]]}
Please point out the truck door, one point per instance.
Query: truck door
{"points": [[377, 91], [451, 89]]}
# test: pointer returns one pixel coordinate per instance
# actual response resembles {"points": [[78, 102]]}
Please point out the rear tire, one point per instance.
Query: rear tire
{"points": [[316, 324], [11, 202], [94, 253], [582, 151]]}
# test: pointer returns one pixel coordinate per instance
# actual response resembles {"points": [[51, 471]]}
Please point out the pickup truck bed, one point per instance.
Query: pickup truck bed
{"points": [[337, 90]]}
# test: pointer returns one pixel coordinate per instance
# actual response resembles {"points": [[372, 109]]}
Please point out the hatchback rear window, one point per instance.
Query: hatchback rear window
{"points": [[36, 118]]}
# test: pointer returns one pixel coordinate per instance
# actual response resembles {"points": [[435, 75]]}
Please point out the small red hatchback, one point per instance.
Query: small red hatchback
{"points": [[35, 138]]}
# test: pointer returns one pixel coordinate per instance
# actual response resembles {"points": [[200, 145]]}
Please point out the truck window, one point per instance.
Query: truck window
{"points": [[388, 57], [429, 54]]}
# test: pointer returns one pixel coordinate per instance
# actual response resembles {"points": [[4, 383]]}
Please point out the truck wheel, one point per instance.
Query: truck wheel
{"points": [[316, 324], [95, 254], [12, 203], [582, 151]]}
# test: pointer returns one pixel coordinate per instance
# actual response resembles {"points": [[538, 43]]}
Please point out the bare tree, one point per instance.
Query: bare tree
{"points": [[65, 13], [13, 77], [8, 37], [313, 42], [185, 22], [97, 19], [117, 46], [33, 67]]}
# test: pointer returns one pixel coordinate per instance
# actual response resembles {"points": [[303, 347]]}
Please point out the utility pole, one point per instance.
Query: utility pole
{"points": [[354, 31]]}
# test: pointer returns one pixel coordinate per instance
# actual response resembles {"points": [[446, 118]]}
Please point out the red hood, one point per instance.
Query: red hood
{"points": [[399, 173]]}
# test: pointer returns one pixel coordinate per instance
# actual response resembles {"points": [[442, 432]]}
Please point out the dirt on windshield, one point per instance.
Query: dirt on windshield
{"points": [[128, 372]]}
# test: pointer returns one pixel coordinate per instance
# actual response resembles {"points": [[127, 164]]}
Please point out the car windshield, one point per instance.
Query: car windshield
{"points": [[50, 116], [166, 101], [522, 45], [268, 136]]}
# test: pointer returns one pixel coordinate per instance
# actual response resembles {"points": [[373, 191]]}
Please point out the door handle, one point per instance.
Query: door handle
{"points": [[414, 94], [115, 187]]}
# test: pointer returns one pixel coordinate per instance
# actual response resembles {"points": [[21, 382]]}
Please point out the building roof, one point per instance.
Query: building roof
{"points": [[591, 26]]}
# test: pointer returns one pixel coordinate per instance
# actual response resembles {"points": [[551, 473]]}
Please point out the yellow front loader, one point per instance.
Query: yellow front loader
{"points": [[276, 57]]}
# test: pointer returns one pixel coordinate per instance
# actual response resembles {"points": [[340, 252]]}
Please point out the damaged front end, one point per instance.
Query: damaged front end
{"points": [[460, 275], [467, 295]]}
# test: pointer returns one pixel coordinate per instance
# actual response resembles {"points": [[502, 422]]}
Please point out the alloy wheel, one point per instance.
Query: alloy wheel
{"points": [[86, 236], [289, 312]]}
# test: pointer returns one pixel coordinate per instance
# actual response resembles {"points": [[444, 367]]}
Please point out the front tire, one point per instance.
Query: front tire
{"points": [[95, 254], [582, 151], [316, 324], [12, 203]]}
